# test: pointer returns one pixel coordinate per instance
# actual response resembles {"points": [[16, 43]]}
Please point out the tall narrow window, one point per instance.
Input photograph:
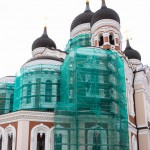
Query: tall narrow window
{"points": [[111, 39], [48, 91], [10, 140], [58, 138], [58, 91], [29, 89], [101, 40], [96, 140], [11, 102], [1, 142], [40, 141], [37, 92], [3, 101]]}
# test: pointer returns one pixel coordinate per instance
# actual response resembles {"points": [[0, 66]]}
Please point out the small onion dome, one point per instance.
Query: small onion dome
{"points": [[131, 53], [105, 13], [84, 17], [44, 41]]}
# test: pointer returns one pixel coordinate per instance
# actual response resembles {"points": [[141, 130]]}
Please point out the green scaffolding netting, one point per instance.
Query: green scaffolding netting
{"points": [[92, 113], [37, 88], [6, 97], [83, 40]]}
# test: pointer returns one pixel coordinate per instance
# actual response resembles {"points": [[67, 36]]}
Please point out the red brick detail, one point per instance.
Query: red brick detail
{"points": [[117, 41], [132, 120], [106, 46], [117, 48], [106, 39]]}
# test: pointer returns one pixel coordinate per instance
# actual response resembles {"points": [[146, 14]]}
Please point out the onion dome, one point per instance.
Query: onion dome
{"points": [[105, 13], [131, 53], [84, 17], [44, 41]]}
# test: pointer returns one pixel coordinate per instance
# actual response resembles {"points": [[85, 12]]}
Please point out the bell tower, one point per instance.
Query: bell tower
{"points": [[105, 29]]}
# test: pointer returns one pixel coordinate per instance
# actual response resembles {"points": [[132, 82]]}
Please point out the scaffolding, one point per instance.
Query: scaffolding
{"points": [[37, 88], [6, 97], [83, 40], [92, 113]]}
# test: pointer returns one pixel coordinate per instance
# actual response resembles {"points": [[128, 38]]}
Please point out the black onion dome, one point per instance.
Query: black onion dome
{"points": [[44, 41], [131, 53], [84, 17], [105, 13]]}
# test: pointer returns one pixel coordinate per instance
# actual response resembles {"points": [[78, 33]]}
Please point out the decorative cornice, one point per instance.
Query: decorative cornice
{"points": [[132, 129], [135, 61], [105, 22], [7, 79], [144, 131], [27, 116], [42, 51], [83, 28], [42, 61]]}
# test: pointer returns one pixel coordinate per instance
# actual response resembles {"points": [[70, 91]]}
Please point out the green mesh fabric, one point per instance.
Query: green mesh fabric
{"points": [[92, 113], [37, 88], [83, 40], [6, 97]]}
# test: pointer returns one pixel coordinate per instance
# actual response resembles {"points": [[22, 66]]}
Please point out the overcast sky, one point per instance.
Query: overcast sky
{"points": [[22, 21]]}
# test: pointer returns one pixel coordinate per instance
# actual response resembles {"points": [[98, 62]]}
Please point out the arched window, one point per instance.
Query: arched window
{"points": [[48, 91], [97, 138], [10, 142], [40, 141], [134, 143], [11, 102], [61, 138], [29, 89], [101, 40], [111, 39], [10, 134], [58, 139], [1, 138], [40, 138]]}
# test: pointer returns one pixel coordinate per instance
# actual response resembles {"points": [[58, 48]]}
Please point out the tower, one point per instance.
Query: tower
{"points": [[105, 29], [92, 112]]}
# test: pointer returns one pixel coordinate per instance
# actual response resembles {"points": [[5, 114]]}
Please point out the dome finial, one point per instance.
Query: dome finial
{"points": [[87, 6], [45, 30], [127, 38], [128, 43], [103, 3], [45, 26]]}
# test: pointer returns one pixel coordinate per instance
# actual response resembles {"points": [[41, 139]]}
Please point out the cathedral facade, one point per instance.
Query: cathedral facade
{"points": [[92, 96]]}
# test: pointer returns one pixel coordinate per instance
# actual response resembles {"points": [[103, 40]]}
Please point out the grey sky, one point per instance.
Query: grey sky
{"points": [[22, 21]]}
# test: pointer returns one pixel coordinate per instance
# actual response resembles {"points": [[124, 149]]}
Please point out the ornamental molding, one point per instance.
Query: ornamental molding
{"points": [[106, 31], [135, 61], [144, 131], [5, 133], [42, 61], [43, 51], [41, 129], [80, 28], [131, 124], [10, 131], [134, 143], [27, 116], [7, 80], [105, 22], [132, 129], [142, 125]]}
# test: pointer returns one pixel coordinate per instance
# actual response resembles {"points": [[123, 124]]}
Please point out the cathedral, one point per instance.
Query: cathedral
{"points": [[93, 95]]}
